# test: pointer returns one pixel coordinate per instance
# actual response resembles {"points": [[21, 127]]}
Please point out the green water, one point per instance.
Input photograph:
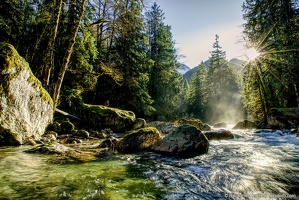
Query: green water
{"points": [[33, 176]]}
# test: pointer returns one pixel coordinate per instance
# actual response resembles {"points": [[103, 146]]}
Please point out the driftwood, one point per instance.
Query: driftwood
{"points": [[57, 111]]}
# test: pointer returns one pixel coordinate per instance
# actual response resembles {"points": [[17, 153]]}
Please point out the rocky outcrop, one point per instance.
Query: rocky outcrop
{"points": [[245, 125], [26, 108], [185, 141], [194, 122], [101, 117], [140, 140], [218, 134]]}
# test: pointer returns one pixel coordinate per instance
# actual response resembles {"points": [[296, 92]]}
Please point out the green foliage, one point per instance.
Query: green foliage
{"points": [[196, 95], [163, 85], [222, 88], [272, 79]]}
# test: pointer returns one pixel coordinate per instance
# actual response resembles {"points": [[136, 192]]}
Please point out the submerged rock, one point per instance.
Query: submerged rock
{"points": [[185, 141], [65, 152], [26, 108], [101, 117], [218, 134], [139, 140]]}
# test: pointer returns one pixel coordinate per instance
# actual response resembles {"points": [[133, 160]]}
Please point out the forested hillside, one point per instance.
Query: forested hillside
{"points": [[120, 53]]}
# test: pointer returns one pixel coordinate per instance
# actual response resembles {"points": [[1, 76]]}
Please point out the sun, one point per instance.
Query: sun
{"points": [[251, 54]]}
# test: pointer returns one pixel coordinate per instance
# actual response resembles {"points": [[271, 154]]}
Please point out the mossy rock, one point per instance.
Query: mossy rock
{"points": [[101, 117], [194, 122], [26, 108], [139, 140], [81, 133], [67, 127]]}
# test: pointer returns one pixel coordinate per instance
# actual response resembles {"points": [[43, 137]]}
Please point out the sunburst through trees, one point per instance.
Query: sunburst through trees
{"points": [[271, 79]]}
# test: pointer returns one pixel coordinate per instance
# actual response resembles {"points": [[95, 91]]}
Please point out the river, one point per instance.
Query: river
{"points": [[255, 165]]}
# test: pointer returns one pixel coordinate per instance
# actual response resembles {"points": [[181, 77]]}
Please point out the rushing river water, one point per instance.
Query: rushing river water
{"points": [[254, 165]]}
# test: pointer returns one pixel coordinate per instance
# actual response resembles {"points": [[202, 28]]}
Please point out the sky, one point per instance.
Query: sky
{"points": [[194, 24]]}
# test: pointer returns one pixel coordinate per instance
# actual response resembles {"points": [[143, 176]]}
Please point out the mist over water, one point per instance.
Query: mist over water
{"points": [[228, 109]]}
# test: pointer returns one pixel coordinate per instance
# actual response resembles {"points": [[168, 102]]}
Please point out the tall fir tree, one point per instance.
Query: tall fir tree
{"points": [[163, 85], [222, 89], [196, 94]]}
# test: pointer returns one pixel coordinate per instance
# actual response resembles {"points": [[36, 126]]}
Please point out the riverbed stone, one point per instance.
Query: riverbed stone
{"points": [[26, 108], [140, 140], [218, 134], [185, 141]]}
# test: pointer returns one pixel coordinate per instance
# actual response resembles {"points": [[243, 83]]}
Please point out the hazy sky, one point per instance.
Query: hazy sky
{"points": [[195, 23]]}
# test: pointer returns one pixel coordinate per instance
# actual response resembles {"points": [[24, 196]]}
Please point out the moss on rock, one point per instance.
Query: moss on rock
{"points": [[106, 117], [26, 108]]}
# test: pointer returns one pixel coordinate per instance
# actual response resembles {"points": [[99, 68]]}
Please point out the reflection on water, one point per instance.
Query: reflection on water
{"points": [[260, 165]]}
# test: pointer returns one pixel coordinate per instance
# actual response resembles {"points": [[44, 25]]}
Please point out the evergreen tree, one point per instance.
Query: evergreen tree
{"points": [[163, 79], [273, 30], [223, 93], [196, 95]]}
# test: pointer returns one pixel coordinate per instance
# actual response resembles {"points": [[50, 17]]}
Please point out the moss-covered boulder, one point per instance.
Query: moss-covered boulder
{"points": [[139, 140], [194, 122], [101, 117], [185, 141], [26, 108]]}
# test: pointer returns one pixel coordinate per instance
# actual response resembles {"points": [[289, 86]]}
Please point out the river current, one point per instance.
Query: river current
{"points": [[257, 164]]}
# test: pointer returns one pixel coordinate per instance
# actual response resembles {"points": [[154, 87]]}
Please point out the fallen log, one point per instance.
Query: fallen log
{"points": [[60, 112]]}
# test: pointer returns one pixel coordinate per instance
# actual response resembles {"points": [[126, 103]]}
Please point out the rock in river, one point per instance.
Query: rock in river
{"points": [[218, 134], [185, 141], [140, 140], [26, 108]]}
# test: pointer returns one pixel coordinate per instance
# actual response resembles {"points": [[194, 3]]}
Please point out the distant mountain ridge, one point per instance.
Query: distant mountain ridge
{"points": [[183, 69], [235, 63]]}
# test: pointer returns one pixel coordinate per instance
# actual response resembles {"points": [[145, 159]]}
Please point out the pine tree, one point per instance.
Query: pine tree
{"points": [[196, 95], [223, 92], [163, 79]]}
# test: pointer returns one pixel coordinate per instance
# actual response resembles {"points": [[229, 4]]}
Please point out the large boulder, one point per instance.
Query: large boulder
{"points": [[101, 117], [140, 140], [218, 134], [26, 108], [185, 141]]}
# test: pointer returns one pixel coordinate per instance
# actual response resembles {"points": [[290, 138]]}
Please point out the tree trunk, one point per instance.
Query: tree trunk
{"points": [[48, 59], [67, 56]]}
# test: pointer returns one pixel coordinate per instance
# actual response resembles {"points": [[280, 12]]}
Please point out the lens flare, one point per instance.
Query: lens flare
{"points": [[251, 54]]}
